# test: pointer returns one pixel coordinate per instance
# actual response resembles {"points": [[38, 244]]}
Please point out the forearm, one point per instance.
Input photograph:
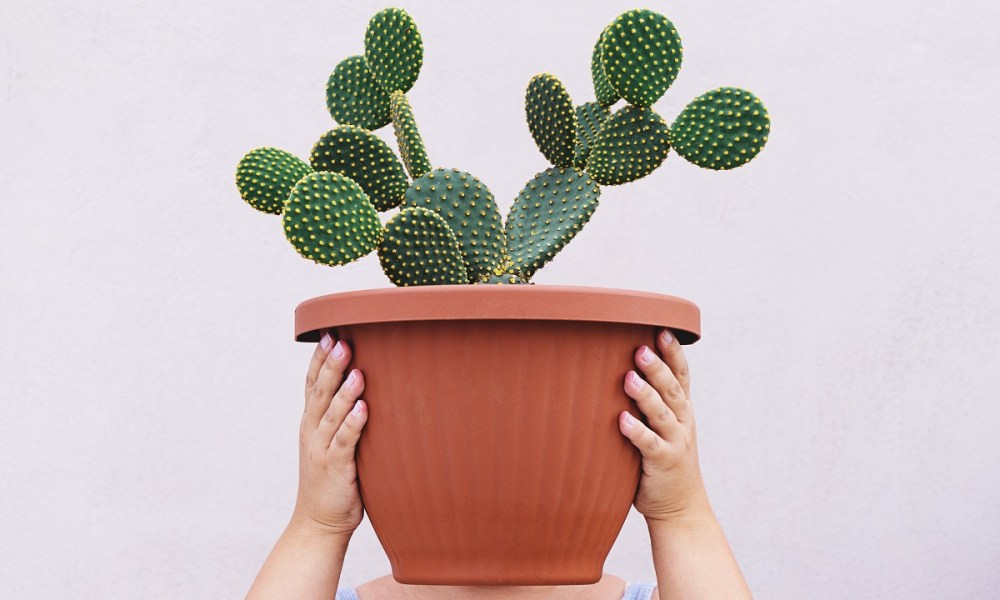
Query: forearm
{"points": [[693, 560], [303, 564]]}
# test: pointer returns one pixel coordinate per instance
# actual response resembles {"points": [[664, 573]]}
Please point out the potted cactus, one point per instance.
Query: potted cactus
{"points": [[484, 461]]}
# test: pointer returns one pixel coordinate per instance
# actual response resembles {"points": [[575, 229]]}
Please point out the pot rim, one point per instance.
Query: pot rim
{"points": [[497, 302]]}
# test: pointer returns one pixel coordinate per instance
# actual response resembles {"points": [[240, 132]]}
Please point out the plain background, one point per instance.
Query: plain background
{"points": [[846, 384]]}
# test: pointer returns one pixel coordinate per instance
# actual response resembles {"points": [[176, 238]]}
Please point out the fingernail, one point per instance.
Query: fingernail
{"points": [[351, 379], [325, 341], [646, 357], [636, 380], [338, 350], [667, 338], [357, 410], [629, 420]]}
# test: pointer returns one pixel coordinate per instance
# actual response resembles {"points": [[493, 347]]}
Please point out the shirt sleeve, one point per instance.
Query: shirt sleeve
{"points": [[346, 594]]}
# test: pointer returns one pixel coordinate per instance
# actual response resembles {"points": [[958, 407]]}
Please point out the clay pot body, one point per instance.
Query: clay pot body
{"points": [[492, 454]]}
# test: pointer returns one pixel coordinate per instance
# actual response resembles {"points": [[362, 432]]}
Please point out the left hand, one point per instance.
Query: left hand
{"points": [[670, 485]]}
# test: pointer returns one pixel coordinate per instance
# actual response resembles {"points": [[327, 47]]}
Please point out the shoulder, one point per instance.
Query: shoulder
{"points": [[377, 588]]}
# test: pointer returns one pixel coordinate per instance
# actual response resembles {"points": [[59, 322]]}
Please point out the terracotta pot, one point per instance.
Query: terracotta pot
{"points": [[492, 454]]}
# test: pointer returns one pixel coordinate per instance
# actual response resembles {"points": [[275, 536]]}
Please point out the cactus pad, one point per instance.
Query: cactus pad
{"points": [[590, 118], [265, 176], [502, 279], [329, 219], [411, 145], [394, 49], [548, 212], [365, 158], [642, 53], [418, 248], [467, 205], [721, 129], [606, 95], [551, 119], [353, 97], [632, 144]]}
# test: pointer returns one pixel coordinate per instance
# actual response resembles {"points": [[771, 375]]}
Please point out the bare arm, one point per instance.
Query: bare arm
{"points": [[303, 564], [693, 560], [691, 556], [307, 559]]}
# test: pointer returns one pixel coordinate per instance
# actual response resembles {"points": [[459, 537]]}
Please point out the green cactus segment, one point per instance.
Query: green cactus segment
{"points": [[590, 118], [721, 129], [470, 211], [606, 95], [632, 144], [502, 279], [418, 248], [394, 49], [353, 97], [365, 158], [641, 53], [265, 176], [551, 119], [548, 212], [411, 145], [329, 219]]}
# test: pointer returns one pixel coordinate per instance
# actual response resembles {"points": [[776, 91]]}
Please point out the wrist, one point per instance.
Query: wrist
{"points": [[694, 512], [307, 528]]}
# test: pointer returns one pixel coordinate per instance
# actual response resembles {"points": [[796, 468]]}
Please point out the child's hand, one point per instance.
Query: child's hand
{"points": [[329, 500], [671, 483]]}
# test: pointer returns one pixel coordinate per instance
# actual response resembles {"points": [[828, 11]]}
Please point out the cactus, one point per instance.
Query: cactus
{"points": [[365, 158], [411, 145], [546, 215], [551, 119], [418, 248], [641, 53], [468, 208], [721, 129], [329, 220], [590, 118], [606, 95], [501, 279], [632, 144], [394, 49], [448, 229], [265, 177], [353, 97]]}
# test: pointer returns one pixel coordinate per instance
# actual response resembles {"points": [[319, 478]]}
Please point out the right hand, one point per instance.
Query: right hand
{"points": [[328, 499]]}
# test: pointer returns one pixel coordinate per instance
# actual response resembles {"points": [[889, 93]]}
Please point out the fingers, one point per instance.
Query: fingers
{"points": [[338, 428], [331, 373], [650, 445], [319, 355], [663, 380], [661, 418], [346, 439], [673, 356]]}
